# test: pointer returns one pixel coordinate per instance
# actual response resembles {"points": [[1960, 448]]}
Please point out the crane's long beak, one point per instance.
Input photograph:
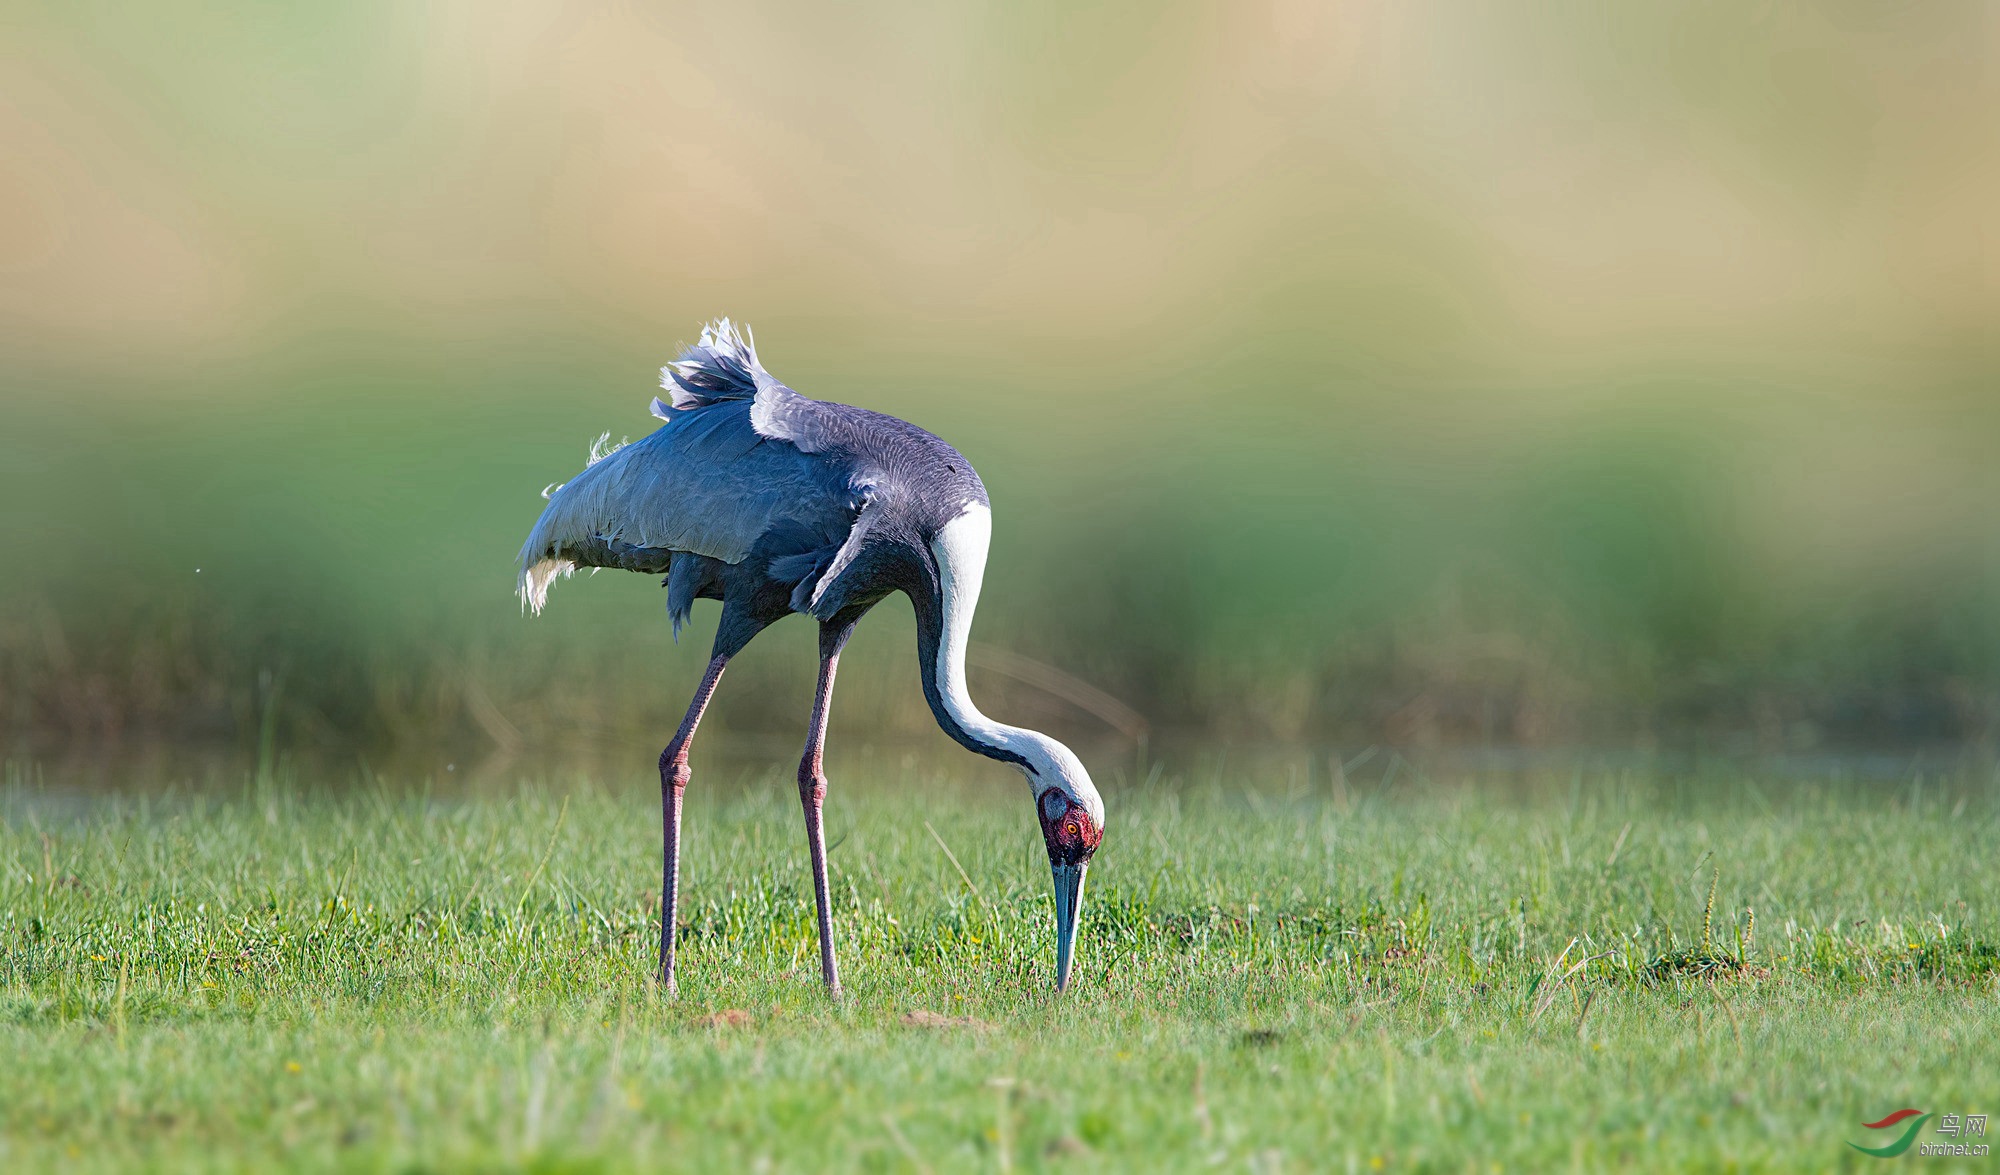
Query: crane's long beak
{"points": [[1069, 901]]}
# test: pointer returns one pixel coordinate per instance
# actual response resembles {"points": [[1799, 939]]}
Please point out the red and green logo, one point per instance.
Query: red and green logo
{"points": [[1900, 1145]]}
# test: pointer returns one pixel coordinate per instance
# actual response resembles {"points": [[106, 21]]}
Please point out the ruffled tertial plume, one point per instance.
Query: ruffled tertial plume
{"points": [[722, 366]]}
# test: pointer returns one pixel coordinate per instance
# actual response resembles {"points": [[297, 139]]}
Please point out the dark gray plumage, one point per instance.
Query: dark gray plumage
{"points": [[773, 503]]}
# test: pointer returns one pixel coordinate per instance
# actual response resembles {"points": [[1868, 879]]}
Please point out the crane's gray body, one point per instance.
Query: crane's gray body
{"points": [[754, 495]]}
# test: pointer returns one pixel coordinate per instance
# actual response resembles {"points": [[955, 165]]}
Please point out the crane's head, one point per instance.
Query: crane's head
{"points": [[1072, 817]]}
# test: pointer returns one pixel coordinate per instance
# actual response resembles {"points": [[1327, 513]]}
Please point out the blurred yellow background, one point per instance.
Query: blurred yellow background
{"points": [[1364, 373]]}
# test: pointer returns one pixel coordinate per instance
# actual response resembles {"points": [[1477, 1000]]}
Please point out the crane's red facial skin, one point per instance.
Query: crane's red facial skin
{"points": [[1068, 830]]}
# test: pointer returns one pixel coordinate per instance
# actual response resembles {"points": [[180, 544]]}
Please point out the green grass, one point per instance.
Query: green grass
{"points": [[1272, 979]]}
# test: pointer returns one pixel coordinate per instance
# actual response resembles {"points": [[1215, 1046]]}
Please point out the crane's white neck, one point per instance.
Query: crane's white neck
{"points": [[960, 550]]}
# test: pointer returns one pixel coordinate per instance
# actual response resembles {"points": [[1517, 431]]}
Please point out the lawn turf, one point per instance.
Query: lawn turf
{"points": [[1279, 977]]}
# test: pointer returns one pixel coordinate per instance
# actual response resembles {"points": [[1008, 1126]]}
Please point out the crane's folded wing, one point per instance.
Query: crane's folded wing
{"points": [[707, 481]]}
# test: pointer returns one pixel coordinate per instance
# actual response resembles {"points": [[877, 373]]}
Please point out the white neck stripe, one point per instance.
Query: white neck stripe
{"points": [[960, 549]]}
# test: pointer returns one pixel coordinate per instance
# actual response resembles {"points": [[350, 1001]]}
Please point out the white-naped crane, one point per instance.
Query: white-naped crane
{"points": [[772, 503]]}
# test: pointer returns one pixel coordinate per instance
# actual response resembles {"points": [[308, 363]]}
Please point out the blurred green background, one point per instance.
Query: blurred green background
{"points": [[1412, 375]]}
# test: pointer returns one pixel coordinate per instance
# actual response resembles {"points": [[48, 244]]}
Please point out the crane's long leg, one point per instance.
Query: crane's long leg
{"points": [[812, 796], [674, 776]]}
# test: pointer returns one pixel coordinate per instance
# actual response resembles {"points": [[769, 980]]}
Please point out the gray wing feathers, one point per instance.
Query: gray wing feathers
{"points": [[819, 602], [782, 414], [739, 455], [705, 482]]}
